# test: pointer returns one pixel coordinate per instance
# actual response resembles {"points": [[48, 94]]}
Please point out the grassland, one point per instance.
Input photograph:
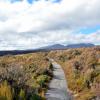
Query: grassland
{"points": [[82, 70], [24, 77]]}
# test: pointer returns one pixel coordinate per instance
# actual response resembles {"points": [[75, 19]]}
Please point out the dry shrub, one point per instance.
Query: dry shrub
{"points": [[6, 91], [82, 70]]}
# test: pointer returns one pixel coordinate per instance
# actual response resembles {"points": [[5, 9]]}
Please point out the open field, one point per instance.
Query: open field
{"points": [[24, 77], [82, 70]]}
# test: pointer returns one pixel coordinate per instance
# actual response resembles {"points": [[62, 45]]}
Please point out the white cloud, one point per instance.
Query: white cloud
{"points": [[24, 25], [47, 38]]}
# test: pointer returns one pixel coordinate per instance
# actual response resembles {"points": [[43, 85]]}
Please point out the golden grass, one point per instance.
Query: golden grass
{"points": [[82, 70], [28, 70]]}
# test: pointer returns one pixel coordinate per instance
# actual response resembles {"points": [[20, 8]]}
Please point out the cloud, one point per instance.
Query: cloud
{"points": [[33, 41], [24, 25]]}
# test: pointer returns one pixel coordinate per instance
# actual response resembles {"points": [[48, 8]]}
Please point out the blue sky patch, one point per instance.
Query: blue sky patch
{"points": [[90, 29], [31, 1], [12, 1]]}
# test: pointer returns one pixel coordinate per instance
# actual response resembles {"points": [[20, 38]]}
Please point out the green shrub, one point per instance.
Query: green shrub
{"points": [[35, 97], [22, 95], [42, 79]]}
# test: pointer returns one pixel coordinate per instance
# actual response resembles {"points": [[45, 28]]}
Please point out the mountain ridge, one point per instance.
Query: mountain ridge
{"points": [[45, 48], [59, 46]]}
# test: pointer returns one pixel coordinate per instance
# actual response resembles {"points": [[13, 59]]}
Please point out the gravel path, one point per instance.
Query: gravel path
{"points": [[58, 86]]}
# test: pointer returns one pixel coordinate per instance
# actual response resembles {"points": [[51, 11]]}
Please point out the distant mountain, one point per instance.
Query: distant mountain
{"points": [[46, 48], [59, 46], [54, 47], [80, 45]]}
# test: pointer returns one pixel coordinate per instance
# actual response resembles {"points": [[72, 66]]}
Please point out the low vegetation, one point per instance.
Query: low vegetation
{"points": [[82, 70], [24, 77]]}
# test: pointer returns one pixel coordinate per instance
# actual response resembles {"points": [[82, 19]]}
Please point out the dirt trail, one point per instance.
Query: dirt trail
{"points": [[58, 86]]}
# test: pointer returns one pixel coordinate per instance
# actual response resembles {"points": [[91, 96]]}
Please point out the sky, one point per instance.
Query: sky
{"points": [[30, 24]]}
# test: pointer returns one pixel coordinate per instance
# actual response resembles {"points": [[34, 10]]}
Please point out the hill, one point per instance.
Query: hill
{"points": [[46, 48], [61, 47], [81, 45]]}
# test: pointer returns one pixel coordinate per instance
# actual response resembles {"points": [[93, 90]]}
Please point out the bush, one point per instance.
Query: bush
{"points": [[22, 95], [35, 97], [42, 79], [5, 91], [80, 83]]}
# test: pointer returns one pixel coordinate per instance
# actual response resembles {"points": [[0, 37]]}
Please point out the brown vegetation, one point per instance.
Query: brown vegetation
{"points": [[82, 70], [24, 77]]}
